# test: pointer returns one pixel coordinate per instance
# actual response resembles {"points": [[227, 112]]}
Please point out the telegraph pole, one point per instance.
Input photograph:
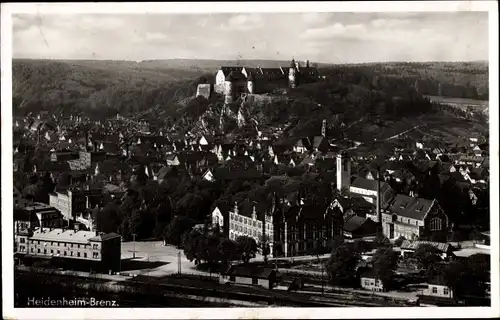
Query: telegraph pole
{"points": [[133, 237], [179, 262]]}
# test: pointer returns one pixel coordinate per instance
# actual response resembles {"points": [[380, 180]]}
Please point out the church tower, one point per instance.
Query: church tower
{"points": [[229, 89], [292, 76], [323, 128], [251, 83], [343, 171]]}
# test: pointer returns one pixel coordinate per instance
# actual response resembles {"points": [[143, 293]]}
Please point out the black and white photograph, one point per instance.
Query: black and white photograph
{"points": [[261, 160]]}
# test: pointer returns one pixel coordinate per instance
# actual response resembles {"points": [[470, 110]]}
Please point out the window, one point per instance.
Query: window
{"points": [[58, 251], [45, 251], [71, 253], [65, 253], [65, 244], [22, 248], [32, 250], [254, 223], [245, 229], [434, 290], [435, 224], [85, 254], [38, 250], [95, 255], [446, 291], [71, 245], [78, 246], [232, 278], [78, 254], [22, 240], [367, 283], [255, 280], [52, 251]]}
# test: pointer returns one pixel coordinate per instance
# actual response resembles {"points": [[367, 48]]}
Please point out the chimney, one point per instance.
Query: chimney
{"points": [[379, 218], [236, 207]]}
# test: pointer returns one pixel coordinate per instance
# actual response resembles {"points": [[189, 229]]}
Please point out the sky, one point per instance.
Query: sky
{"points": [[319, 37]]}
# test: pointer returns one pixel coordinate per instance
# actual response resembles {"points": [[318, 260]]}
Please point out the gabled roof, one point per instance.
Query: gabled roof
{"points": [[355, 222], [226, 70], [414, 208], [369, 184], [413, 245], [250, 271]]}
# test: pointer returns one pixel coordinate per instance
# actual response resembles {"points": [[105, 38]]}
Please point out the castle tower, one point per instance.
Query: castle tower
{"points": [[251, 83], [229, 94], [292, 80], [323, 128], [343, 171]]}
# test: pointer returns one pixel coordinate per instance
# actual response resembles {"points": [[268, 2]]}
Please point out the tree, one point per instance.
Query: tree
{"points": [[337, 242], [399, 241], [385, 262], [108, 219], [228, 250], [176, 228], [428, 258], [247, 247], [341, 267], [381, 241], [361, 246]]}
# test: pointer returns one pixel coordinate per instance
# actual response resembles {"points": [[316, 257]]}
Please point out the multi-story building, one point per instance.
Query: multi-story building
{"points": [[73, 201], [72, 248], [415, 219], [306, 229], [245, 219], [39, 214]]}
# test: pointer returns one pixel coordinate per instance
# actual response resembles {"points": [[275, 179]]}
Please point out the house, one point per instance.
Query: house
{"points": [[367, 189], [173, 160], [413, 217], [408, 247], [437, 294], [208, 175], [73, 249], [320, 143], [305, 227], [359, 227], [302, 145], [244, 219], [250, 275], [370, 281]]}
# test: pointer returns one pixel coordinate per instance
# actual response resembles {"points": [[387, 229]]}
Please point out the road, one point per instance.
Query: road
{"points": [[406, 131]]}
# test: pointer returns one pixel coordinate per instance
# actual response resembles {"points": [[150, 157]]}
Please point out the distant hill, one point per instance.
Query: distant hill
{"points": [[214, 65], [105, 87]]}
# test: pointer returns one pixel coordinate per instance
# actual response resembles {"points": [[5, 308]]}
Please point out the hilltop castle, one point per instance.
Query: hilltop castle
{"points": [[234, 81]]}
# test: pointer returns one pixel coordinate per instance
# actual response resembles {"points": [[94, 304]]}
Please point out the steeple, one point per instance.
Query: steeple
{"points": [[292, 74]]}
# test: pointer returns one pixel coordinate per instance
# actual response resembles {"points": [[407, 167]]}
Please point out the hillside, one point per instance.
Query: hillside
{"points": [[98, 87], [360, 102]]}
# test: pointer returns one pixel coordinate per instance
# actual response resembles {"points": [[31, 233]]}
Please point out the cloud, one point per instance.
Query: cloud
{"points": [[333, 31], [156, 36], [328, 37], [316, 18], [245, 22], [389, 23]]}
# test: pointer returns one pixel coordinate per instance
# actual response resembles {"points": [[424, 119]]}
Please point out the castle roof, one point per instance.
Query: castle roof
{"points": [[235, 75]]}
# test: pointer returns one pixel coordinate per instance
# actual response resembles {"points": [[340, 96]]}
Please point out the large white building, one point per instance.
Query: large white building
{"points": [[244, 219]]}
